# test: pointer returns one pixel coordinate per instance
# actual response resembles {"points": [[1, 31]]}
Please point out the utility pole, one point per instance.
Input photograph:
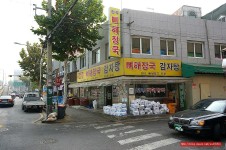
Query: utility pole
{"points": [[49, 65]]}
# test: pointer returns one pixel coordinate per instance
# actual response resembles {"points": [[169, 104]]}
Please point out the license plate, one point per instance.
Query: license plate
{"points": [[5, 101], [178, 127]]}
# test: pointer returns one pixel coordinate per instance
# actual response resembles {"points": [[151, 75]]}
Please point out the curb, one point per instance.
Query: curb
{"points": [[40, 118], [124, 118]]}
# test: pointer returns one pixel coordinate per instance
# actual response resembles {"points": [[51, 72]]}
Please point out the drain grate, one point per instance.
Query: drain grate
{"points": [[48, 141]]}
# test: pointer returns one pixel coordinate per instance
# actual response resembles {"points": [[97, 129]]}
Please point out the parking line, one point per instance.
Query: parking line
{"points": [[138, 138], [41, 116], [158, 144], [117, 129], [125, 133], [107, 126]]}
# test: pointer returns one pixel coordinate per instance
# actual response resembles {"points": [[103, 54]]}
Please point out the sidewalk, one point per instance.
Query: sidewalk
{"points": [[80, 114]]}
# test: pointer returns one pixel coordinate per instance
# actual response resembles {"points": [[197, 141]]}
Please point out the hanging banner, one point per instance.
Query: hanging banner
{"points": [[114, 32], [49, 95]]}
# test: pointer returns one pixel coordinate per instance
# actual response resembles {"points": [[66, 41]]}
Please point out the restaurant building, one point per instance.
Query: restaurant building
{"points": [[166, 58]]}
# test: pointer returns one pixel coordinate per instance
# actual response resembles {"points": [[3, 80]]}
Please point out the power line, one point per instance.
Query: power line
{"points": [[62, 19]]}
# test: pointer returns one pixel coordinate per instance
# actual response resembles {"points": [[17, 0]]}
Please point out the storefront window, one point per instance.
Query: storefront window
{"points": [[149, 90]]}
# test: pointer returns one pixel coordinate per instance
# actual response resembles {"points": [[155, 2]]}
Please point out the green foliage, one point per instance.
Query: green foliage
{"points": [[30, 63], [78, 31]]}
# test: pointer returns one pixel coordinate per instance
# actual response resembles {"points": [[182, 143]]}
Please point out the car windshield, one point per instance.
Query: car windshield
{"points": [[210, 105]]}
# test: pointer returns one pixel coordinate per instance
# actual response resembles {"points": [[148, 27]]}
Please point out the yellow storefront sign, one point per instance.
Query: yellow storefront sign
{"points": [[132, 67], [111, 69], [114, 32], [152, 67]]}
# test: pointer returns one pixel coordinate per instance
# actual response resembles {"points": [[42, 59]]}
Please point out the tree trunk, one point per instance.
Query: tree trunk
{"points": [[65, 82]]}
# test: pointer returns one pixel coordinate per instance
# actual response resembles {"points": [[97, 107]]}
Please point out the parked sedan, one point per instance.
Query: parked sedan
{"points": [[208, 116], [6, 100]]}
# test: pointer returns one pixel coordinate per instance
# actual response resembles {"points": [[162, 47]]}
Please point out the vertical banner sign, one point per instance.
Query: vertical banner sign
{"points": [[114, 32], [49, 95]]}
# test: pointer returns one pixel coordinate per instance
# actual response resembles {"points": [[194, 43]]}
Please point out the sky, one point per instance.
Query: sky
{"points": [[17, 18]]}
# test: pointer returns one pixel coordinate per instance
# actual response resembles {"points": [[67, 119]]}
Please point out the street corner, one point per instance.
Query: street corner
{"points": [[66, 119]]}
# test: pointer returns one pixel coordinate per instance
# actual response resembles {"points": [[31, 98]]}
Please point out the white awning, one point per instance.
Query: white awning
{"points": [[131, 80]]}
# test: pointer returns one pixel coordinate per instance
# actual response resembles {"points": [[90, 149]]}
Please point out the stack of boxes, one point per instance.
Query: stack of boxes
{"points": [[118, 109], [145, 107]]}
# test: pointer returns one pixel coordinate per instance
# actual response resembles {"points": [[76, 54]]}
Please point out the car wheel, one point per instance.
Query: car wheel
{"points": [[25, 109], [217, 132], [22, 107]]}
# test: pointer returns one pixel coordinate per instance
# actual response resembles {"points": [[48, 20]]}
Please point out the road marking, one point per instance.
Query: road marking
{"points": [[107, 126], [116, 129], [125, 133], [41, 116], [138, 138], [158, 144]]}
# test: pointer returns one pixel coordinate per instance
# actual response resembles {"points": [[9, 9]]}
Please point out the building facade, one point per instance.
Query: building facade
{"points": [[166, 58]]}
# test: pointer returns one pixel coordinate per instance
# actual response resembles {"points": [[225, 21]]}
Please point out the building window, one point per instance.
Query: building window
{"points": [[195, 49], [220, 50], [82, 61], [96, 56], [141, 45], [167, 47]]}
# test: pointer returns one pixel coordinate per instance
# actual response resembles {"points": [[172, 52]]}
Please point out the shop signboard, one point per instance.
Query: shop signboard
{"points": [[49, 95], [152, 67], [132, 67], [182, 96], [59, 98], [111, 69], [114, 32]]}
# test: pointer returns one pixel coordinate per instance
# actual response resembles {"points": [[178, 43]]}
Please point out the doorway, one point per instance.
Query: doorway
{"points": [[108, 95]]}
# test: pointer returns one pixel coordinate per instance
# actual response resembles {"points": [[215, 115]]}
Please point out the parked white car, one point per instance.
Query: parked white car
{"points": [[32, 100]]}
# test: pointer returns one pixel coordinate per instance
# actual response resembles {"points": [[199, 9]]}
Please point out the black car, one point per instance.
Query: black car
{"points": [[208, 116]]}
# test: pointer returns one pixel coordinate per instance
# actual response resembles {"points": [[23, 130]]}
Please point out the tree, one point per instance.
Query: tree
{"points": [[77, 32], [30, 63]]}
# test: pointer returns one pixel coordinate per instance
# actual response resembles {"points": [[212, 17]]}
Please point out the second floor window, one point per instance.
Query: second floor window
{"points": [[82, 62], [167, 47], [195, 49], [96, 56], [141, 45], [220, 50]]}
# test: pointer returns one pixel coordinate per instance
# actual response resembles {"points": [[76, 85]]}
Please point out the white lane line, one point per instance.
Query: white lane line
{"points": [[116, 129], [138, 138], [158, 144], [107, 126], [125, 133]]}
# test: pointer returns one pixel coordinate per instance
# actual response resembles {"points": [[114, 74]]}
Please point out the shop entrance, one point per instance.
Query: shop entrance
{"points": [[108, 95]]}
